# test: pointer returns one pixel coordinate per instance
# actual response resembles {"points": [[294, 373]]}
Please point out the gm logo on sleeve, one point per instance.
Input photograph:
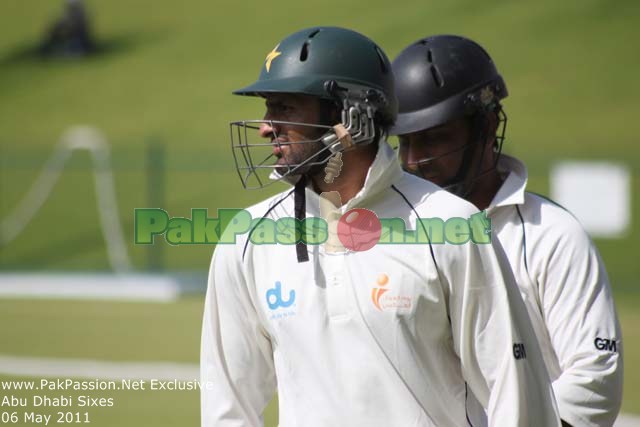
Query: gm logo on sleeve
{"points": [[275, 300], [519, 351], [605, 344]]}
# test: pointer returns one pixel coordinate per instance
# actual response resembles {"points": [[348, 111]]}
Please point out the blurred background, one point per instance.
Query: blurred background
{"points": [[153, 79]]}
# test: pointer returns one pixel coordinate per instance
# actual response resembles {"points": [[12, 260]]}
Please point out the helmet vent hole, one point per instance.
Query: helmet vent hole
{"points": [[383, 65], [304, 52], [437, 77], [429, 55], [314, 33], [424, 42]]}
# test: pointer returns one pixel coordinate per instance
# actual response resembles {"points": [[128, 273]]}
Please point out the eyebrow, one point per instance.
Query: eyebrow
{"points": [[273, 102], [440, 130]]}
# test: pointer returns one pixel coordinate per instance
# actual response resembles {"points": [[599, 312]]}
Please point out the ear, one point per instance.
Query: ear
{"points": [[330, 113]]}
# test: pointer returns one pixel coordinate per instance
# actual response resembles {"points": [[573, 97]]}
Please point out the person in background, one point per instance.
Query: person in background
{"points": [[451, 127]]}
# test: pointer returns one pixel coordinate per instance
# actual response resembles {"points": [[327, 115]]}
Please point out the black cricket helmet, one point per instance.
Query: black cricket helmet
{"points": [[443, 78], [335, 64]]}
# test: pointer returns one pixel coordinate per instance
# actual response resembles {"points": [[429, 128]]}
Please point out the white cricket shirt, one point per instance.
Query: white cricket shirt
{"points": [[568, 296], [343, 353]]}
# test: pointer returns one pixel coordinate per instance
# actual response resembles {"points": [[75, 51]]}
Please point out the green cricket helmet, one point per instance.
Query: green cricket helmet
{"points": [[330, 63]]}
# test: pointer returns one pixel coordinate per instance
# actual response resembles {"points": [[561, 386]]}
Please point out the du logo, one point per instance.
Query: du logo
{"points": [[274, 297]]}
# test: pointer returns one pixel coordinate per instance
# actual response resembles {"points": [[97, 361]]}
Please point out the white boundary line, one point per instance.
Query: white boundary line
{"points": [[100, 286], [96, 369]]}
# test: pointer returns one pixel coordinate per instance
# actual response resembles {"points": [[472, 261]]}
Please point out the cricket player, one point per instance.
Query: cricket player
{"points": [[451, 128], [397, 335]]}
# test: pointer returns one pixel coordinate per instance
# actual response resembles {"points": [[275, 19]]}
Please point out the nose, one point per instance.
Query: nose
{"points": [[269, 128], [266, 130], [407, 152], [412, 151]]}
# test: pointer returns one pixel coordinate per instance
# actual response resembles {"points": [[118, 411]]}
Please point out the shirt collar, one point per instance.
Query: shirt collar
{"points": [[512, 190], [384, 171]]}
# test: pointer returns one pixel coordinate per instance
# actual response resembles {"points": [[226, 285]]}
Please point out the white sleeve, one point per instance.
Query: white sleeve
{"points": [[583, 327], [500, 356], [236, 361]]}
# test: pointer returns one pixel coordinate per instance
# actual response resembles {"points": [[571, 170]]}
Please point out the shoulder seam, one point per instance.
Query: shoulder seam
{"points": [[553, 202], [548, 199], [424, 229]]}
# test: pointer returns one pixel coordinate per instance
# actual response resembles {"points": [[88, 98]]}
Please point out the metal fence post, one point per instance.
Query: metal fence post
{"points": [[155, 171]]}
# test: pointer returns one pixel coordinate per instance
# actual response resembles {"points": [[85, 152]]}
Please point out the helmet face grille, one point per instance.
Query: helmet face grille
{"points": [[255, 157]]}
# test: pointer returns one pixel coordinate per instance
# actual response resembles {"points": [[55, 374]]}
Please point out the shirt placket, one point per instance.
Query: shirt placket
{"points": [[337, 287]]}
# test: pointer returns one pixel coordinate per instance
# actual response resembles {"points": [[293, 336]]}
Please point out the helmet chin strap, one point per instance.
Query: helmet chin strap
{"points": [[356, 128], [340, 139], [300, 209]]}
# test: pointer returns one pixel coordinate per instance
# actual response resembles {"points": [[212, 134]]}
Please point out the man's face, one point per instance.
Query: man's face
{"points": [[442, 145], [285, 138]]}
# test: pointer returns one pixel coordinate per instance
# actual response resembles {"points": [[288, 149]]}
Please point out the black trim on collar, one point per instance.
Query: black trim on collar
{"points": [[246, 244], [524, 240]]}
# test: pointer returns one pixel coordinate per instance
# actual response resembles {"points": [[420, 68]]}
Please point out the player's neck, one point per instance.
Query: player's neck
{"points": [[485, 189], [356, 164]]}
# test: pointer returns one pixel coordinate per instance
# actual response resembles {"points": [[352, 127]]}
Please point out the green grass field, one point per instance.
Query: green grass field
{"points": [[166, 75], [133, 332], [130, 408], [169, 332]]}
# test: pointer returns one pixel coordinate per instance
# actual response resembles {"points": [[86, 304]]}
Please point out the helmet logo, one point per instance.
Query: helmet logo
{"points": [[271, 56], [486, 96]]}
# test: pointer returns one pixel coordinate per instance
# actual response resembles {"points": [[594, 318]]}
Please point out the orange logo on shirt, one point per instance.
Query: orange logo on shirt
{"points": [[376, 293], [390, 301]]}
